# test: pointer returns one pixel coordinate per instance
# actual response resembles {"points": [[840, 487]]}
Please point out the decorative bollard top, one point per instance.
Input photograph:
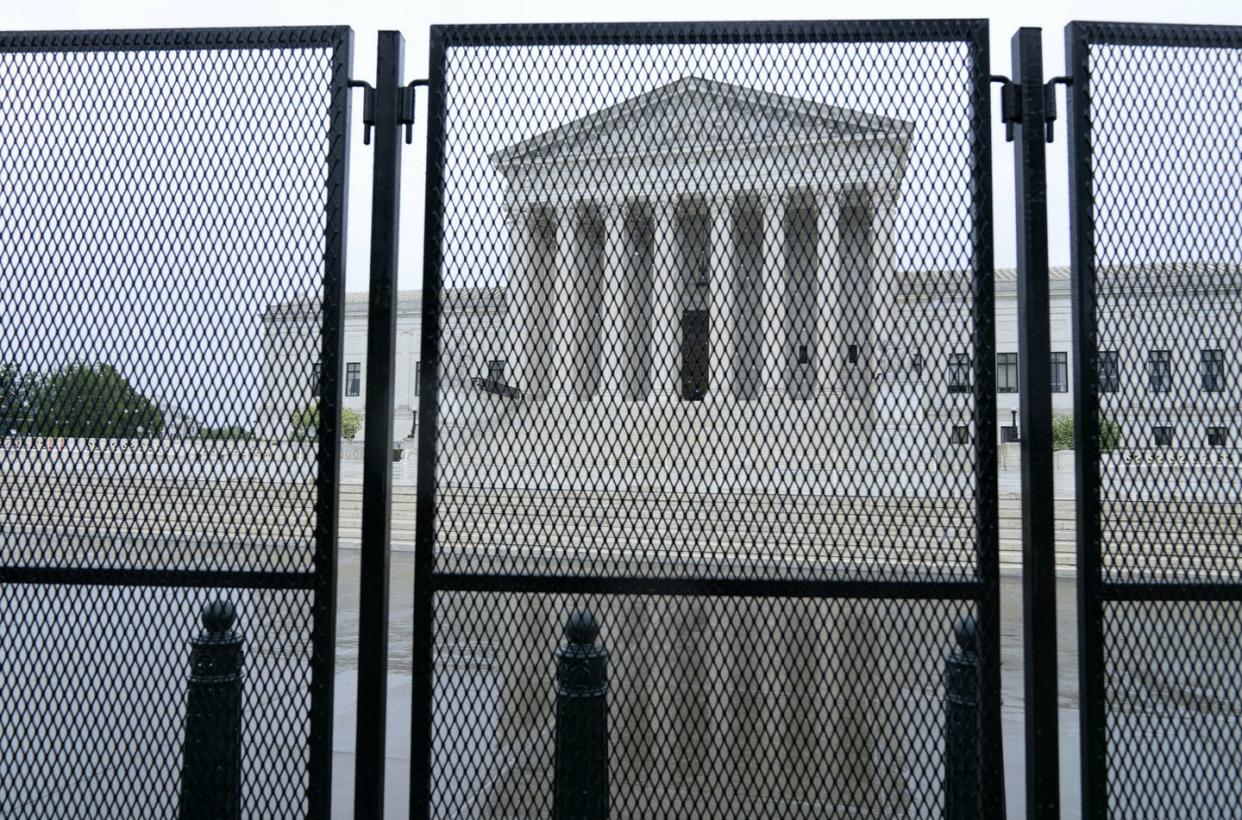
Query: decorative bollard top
{"points": [[582, 628], [219, 616], [967, 634]]}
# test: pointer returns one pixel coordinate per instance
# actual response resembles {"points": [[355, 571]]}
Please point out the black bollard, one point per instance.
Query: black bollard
{"points": [[962, 784], [580, 771], [211, 756]]}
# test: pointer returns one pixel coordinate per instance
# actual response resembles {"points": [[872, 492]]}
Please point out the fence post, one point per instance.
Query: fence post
{"points": [[211, 756], [580, 771], [962, 784]]}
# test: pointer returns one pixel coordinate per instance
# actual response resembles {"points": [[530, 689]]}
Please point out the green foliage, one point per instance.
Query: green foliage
{"points": [[16, 394], [93, 401], [1110, 434], [1062, 432], [350, 423], [306, 422], [225, 433]]}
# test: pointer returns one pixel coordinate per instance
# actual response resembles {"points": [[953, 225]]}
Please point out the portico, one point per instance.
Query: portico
{"points": [[666, 250]]}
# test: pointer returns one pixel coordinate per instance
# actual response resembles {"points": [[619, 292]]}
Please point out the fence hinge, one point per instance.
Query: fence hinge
{"points": [[1050, 102], [1011, 104], [368, 108], [407, 108]]}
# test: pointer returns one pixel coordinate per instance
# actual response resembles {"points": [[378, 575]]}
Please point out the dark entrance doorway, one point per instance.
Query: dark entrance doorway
{"points": [[694, 355]]}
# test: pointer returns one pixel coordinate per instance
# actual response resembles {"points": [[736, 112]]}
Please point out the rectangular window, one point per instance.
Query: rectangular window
{"points": [[916, 364], [959, 373], [353, 378], [1212, 370], [961, 434], [1162, 436], [1217, 436], [1006, 372], [1060, 373], [1110, 374], [418, 375], [1160, 370]]}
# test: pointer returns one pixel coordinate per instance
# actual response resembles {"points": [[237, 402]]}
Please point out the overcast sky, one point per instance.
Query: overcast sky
{"points": [[413, 19]]}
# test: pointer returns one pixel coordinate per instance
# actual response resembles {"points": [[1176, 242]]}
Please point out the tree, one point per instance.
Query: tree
{"points": [[16, 394], [1063, 433], [306, 421], [93, 401]]}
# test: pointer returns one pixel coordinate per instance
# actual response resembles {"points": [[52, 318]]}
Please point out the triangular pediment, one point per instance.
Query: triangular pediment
{"points": [[694, 114]]}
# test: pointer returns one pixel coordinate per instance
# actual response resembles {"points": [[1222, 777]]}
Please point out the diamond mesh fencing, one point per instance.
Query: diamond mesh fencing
{"points": [[709, 354], [1154, 159], [170, 288]]}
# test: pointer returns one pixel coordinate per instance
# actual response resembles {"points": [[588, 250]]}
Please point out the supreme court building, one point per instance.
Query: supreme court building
{"points": [[687, 243]]}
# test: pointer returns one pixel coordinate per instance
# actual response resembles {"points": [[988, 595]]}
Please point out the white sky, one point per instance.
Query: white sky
{"points": [[413, 19]]}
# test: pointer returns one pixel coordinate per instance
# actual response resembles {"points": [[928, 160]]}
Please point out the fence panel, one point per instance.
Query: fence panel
{"points": [[170, 332], [1155, 195], [708, 351]]}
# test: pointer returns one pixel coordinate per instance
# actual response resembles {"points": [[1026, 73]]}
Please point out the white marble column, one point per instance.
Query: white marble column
{"points": [[520, 298], [883, 338], [775, 328], [665, 316], [562, 302], [617, 324], [723, 293], [829, 352]]}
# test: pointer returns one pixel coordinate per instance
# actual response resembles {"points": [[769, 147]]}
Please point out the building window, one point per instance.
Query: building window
{"points": [[1160, 370], [1110, 375], [804, 357], [496, 371], [1212, 370], [1060, 372], [961, 434], [353, 378], [959, 373], [916, 364], [1217, 436], [1006, 372], [1162, 436], [418, 375], [851, 354]]}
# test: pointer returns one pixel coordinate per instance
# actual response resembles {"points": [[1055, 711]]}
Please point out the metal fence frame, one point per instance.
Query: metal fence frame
{"points": [[983, 590], [322, 581], [1093, 591]]}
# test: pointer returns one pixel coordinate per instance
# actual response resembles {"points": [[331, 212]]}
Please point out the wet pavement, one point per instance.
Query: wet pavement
{"points": [[397, 778]]}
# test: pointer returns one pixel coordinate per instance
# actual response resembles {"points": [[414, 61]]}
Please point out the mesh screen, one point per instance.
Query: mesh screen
{"points": [[715, 305], [717, 707], [1164, 128], [1174, 709], [169, 278], [1161, 129], [91, 724]]}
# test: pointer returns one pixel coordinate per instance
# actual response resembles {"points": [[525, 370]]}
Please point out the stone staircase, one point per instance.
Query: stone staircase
{"points": [[926, 530]]}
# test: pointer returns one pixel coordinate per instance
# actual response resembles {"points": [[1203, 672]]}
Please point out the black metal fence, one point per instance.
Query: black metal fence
{"points": [[1155, 206], [707, 508], [736, 283], [170, 332]]}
